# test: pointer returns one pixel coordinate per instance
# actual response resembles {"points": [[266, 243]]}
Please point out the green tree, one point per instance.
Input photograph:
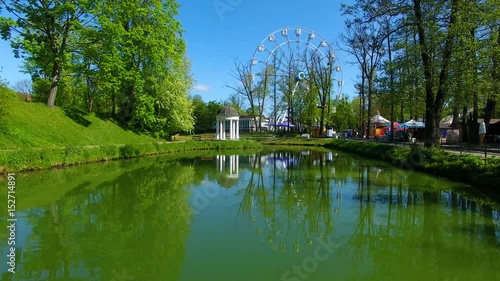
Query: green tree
{"points": [[204, 113], [3, 82], [435, 28], [344, 116], [237, 101], [365, 42], [169, 110], [320, 74], [44, 35]]}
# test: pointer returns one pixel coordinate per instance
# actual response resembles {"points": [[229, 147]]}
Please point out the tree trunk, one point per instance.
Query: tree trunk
{"points": [[56, 72], [90, 104], [89, 101], [464, 136], [454, 122], [401, 113], [488, 113], [433, 104], [474, 129], [363, 98], [391, 78], [128, 105], [322, 120], [491, 102], [361, 124], [369, 103]]}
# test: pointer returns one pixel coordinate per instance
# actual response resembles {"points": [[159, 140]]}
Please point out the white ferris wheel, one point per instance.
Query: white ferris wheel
{"points": [[289, 52]]}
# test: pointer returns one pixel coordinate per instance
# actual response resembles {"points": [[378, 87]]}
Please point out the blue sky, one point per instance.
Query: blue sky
{"points": [[219, 31]]}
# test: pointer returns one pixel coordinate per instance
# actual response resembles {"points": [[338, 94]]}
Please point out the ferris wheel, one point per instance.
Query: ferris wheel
{"points": [[290, 53]]}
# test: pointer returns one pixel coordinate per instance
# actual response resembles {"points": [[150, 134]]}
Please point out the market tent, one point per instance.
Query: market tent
{"points": [[285, 124], [379, 119], [388, 125], [270, 124], [412, 124]]}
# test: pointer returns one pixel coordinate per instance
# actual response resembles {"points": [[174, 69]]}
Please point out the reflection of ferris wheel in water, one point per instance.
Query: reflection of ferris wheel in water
{"points": [[289, 53]]}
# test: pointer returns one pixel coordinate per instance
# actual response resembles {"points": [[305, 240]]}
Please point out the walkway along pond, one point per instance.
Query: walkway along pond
{"points": [[301, 214]]}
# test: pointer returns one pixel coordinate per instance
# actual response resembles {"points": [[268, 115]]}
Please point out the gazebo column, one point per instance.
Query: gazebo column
{"points": [[231, 161], [219, 136], [221, 129], [217, 131], [237, 129], [233, 133], [236, 164], [231, 129]]}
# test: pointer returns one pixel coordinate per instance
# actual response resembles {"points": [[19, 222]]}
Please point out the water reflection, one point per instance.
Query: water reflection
{"points": [[289, 202], [268, 212], [228, 170], [391, 217], [109, 226]]}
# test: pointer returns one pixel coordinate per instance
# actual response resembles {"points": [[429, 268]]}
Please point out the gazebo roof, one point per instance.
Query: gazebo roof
{"points": [[228, 111]]}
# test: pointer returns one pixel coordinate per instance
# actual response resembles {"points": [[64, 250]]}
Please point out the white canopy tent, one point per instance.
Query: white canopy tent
{"points": [[379, 119]]}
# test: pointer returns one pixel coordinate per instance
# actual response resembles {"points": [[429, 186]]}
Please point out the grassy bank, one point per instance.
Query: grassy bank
{"points": [[465, 168], [42, 158], [33, 136], [34, 125]]}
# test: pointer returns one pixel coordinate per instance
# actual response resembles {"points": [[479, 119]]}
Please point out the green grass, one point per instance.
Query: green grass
{"points": [[33, 137], [34, 125]]}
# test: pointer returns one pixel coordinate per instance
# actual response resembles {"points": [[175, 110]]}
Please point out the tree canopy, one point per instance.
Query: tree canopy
{"points": [[125, 59], [437, 58]]}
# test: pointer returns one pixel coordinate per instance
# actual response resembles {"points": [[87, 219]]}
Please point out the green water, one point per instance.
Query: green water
{"points": [[272, 215]]}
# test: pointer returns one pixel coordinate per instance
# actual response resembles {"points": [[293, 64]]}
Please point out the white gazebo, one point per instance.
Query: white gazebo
{"points": [[228, 114]]}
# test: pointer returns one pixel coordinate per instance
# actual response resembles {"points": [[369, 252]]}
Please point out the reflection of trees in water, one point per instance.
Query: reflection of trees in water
{"points": [[136, 222], [288, 206], [406, 224], [421, 227]]}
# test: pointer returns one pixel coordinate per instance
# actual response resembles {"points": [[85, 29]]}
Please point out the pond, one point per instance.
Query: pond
{"points": [[276, 214]]}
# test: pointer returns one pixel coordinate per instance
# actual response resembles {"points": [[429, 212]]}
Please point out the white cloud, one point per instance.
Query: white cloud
{"points": [[201, 88]]}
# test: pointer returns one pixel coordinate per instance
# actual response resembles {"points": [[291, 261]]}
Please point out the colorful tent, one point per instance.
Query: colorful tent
{"points": [[412, 124]]}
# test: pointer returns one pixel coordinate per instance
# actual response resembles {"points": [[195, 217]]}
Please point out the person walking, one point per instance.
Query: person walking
{"points": [[482, 132]]}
